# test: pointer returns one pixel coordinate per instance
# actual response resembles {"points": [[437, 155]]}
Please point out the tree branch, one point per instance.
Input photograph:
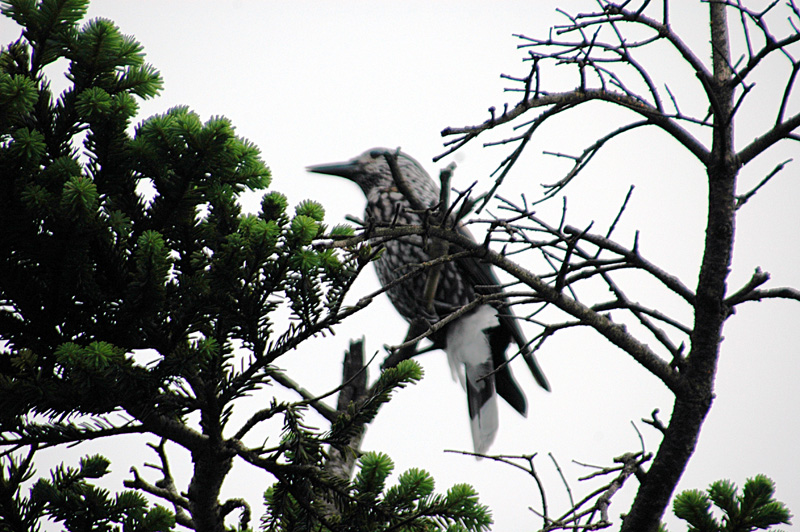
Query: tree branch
{"points": [[566, 100], [760, 144], [613, 332]]}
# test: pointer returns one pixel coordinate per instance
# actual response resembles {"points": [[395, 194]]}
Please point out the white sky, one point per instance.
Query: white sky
{"points": [[316, 82]]}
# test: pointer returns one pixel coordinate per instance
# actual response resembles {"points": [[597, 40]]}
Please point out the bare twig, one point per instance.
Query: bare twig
{"points": [[744, 198], [165, 488]]}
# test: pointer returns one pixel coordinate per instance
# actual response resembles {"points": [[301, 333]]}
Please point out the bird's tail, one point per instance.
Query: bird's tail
{"points": [[482, 400], [470, 356]]}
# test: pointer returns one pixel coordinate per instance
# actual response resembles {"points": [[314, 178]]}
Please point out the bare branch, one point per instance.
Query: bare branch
{"points": [[749, 291], [310, 399], [341, 461], [583, 159], [399, 180], [509, 161], [744, 198], [164, 488], [232, 504], [760, 144], [655, 422], [787, 92], [636, 308], [634, 258], [566, 100], [611, 331], [512, 460], [613, 13]]}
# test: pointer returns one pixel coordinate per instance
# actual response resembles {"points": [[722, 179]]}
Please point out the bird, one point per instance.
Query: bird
{"points": [[476, 342]]}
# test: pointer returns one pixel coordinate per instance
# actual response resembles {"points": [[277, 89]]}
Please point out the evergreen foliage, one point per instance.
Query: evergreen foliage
{"points": [[120, 242], [69, 499], [754, 509], [409, 505]]}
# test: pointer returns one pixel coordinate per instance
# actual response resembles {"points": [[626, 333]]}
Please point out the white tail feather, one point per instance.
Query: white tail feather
{"points": [[484, 426], [470, 358]]}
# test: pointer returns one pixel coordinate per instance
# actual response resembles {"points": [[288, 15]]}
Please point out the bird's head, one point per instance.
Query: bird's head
{"points": [[370, 170]]}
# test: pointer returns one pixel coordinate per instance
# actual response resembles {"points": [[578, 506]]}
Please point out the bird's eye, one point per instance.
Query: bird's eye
{"points": [[375, 154]]}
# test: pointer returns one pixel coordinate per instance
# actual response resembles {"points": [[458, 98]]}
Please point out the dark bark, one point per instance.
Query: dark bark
{"points": [[211, 466], [354, 380], [691, 408]]}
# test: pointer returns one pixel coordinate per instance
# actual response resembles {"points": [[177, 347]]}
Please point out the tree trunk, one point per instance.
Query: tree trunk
{"points": [[699, 369]]}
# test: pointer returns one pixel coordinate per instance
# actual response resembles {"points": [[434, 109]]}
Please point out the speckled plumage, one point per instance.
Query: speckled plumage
{"points": [[471, 360], [407, 298]]}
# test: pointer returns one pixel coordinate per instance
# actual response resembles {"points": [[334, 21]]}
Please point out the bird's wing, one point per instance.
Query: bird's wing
{"points": [[480, 274]]}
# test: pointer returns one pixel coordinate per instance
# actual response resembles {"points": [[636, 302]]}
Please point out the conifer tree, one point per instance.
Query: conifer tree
{"points": [[114, 243]]}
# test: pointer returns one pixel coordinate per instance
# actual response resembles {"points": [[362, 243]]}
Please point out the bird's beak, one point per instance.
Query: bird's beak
{"points": [[346, 169]]}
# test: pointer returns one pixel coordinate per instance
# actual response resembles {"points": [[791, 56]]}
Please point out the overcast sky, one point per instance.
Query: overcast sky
{"points": [[317, 82]]}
